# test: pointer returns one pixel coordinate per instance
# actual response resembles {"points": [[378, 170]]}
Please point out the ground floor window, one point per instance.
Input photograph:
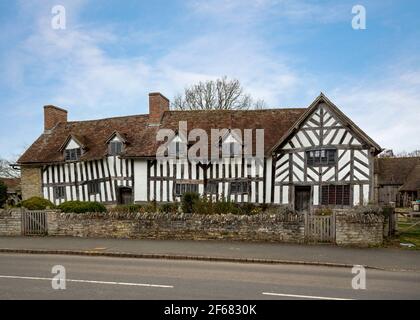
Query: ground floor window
{"points": [[93, 188], [212, 187], [182, 188], [239, 187], [59, 192], [335, 195]]}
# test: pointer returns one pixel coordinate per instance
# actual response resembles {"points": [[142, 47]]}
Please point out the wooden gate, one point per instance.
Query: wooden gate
{"points": [[34, 223], [320, 228]]}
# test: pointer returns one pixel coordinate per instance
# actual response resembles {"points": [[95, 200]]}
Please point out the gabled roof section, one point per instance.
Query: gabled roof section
{"points": [[78, 139], [120, 137], [338, 113]]}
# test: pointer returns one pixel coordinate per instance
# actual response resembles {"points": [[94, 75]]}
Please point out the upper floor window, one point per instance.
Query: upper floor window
{"points": [[72, 154], [321, 157], [115, 148]]}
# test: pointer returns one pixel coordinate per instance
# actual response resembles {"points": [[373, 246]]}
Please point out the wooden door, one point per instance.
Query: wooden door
{"points": [[302, 199], [126, 196]]}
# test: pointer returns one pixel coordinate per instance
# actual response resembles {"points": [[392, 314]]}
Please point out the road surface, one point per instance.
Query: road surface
{"points": [[30, 277]]}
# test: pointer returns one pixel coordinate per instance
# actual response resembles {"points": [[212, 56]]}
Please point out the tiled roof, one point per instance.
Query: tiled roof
{"points": [[141, 138], [395, 171], [12, 184], [413, 180]]}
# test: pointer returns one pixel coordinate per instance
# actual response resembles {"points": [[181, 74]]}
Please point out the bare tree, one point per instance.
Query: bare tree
{"points": [[220, 94], [6, 171], [403, 154]]}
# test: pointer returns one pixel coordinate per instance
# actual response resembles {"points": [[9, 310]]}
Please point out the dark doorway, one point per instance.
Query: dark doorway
{"points": [[125, 196], [302, 199]]}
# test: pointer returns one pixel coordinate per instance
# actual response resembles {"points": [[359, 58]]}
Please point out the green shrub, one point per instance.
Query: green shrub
{"points": [[37, 203], [168, 208], [250, 208], [151, 207], [3, 194], [81, 207], [324, 212], [226, 206], [128, 208], [203, 205], [188, 200]]}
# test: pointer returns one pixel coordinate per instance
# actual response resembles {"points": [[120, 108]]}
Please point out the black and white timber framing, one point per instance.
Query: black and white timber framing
{"points": [[272, 180]]}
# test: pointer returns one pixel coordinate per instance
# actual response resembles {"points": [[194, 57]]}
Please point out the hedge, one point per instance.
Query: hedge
{"points": [[81, 207], [37, 203]]}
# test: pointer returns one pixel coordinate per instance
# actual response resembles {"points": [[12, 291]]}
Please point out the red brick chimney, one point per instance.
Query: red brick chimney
{"points": [[52, 116], [158, 104]]}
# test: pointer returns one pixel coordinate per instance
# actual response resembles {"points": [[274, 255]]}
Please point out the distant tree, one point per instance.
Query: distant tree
{"points": [[403, 154], [6, 171], [3, 194], [220, 94]]}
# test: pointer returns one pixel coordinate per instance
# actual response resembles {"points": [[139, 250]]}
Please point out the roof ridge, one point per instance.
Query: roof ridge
{"points": [[240, 110], [109, 118]]}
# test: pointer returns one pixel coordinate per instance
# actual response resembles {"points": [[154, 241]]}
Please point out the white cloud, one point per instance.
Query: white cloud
{"points": [[388, 108], [73, 69]]}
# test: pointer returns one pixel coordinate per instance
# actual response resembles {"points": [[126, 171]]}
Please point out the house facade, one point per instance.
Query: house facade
{"points": [[303, 157]]}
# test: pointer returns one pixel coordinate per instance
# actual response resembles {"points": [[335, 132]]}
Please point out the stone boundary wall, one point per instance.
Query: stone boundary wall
{"points": [[262, 227], [351, 228], [356, 229], [10, 222]]}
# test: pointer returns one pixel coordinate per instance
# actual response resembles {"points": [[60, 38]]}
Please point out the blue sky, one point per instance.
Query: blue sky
{"points": [[113, 53]]}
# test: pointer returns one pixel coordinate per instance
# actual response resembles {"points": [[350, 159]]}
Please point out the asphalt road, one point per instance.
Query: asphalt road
{"points": [[29, 277]]}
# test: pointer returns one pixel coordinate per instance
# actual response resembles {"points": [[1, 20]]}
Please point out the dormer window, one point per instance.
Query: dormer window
{"points": [[115, 148], [72, 154], [230, 146], [177, 148], [72, 148], [116, 144]]}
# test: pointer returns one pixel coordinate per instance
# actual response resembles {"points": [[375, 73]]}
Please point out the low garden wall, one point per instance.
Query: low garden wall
{"points": [[351, 228], [260, 227], [10, 222], [356, 229]]}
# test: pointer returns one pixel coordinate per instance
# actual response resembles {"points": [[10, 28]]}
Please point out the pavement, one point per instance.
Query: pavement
{"points": [[223, 251], [25, 276]]}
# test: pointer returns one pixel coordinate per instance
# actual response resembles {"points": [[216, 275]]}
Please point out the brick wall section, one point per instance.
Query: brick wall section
{"points": [[52, 116], [31, 182], [10, 223], [362, 230], [273, 228]]}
